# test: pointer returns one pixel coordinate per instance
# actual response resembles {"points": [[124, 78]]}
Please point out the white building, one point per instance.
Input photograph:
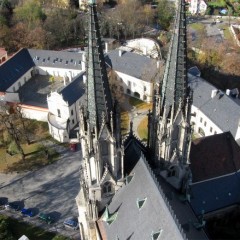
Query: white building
{"points": [[58, 106], [136, 73], [197, 7], [214, 111]]}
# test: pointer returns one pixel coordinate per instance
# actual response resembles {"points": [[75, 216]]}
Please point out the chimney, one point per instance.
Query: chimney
{"points": [[120, 52], [106, 47], [214, 93], [84, 79], [228, 91], [83, 62]]}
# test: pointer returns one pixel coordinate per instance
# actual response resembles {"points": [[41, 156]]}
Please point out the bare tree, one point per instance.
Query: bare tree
{"points": [[116, 88], [9, 121]]}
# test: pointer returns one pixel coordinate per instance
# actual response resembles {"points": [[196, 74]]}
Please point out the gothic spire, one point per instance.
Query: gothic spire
{"points": [[99, 102], [174, 86]]}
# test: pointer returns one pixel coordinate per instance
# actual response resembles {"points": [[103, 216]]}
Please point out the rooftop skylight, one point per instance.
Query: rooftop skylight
{"points": [[140, 203], [129, 178], [156, 235]]}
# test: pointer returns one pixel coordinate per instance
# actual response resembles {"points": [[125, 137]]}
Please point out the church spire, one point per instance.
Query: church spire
{"points": [[170, 130], [99, 102], [174, 86]]}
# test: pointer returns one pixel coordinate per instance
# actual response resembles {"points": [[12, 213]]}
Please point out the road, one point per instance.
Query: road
{"points": [[51, 189]]}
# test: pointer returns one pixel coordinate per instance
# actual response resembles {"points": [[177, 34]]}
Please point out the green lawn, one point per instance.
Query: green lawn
{"points": [[197, 26], [139, 104], [17, 229]]}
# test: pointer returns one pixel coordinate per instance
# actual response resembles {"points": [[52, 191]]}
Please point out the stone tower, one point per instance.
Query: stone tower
{"points": [[99, 131], [169, 123]]}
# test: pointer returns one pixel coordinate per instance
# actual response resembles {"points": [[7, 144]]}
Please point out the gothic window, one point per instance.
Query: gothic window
{"points": [[107, 188]]}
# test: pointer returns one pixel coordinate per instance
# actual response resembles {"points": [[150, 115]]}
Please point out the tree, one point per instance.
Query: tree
{"points": [[13, 121], [165, 13], [30, 12], [5, 234]]}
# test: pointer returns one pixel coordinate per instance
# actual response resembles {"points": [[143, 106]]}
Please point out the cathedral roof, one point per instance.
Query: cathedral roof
{"points": [[140, 210], [214, 156]]}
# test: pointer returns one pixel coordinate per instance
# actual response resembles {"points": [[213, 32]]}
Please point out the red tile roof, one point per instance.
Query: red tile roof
{"points": [[214, 156]]}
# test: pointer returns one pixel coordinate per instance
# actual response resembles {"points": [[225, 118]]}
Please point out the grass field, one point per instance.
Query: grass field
{"points": [[139, 104], [17, 229]]}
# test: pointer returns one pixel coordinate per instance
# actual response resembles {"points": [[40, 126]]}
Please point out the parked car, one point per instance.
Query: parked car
{"points": [[12, 206], [71, 223], [46, 218], [27, 212]]}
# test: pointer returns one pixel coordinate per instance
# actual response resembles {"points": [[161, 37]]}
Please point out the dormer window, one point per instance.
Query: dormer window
{"points": [[141, 202], [156, 235], [129, 178]]}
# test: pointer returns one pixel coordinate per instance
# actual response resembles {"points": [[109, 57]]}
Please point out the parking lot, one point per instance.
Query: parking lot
{"points": [[51, 190]]}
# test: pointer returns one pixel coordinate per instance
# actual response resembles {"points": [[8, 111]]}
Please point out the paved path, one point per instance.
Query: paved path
{"points": [[51, 189]]}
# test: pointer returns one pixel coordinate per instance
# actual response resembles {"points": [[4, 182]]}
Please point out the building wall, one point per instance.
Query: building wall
{"points": [[21, 81], [134, 85], [201, 121], [36, 113], [59, 72]]}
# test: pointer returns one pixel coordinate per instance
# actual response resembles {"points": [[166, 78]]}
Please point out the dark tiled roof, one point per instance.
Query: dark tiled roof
{"points": [[215, 194], [132, 223], [74, 90], [56, 59], [221, 110], [132, 152], [14, 68], [214, 156], [133, 64]]}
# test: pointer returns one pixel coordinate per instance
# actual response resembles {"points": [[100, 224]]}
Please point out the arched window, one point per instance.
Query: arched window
{"points": [[136, 94], [128, 91]]}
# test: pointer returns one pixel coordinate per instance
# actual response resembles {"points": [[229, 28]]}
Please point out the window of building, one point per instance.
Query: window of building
{"points": [[144, 88], [129, 178], [71, 112], [128, 91], [201, 119], [58, 113], [210, 129], [205, 124], [129, 83], [201, 132], [215, 132], [73, 121], [107, 187]]}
